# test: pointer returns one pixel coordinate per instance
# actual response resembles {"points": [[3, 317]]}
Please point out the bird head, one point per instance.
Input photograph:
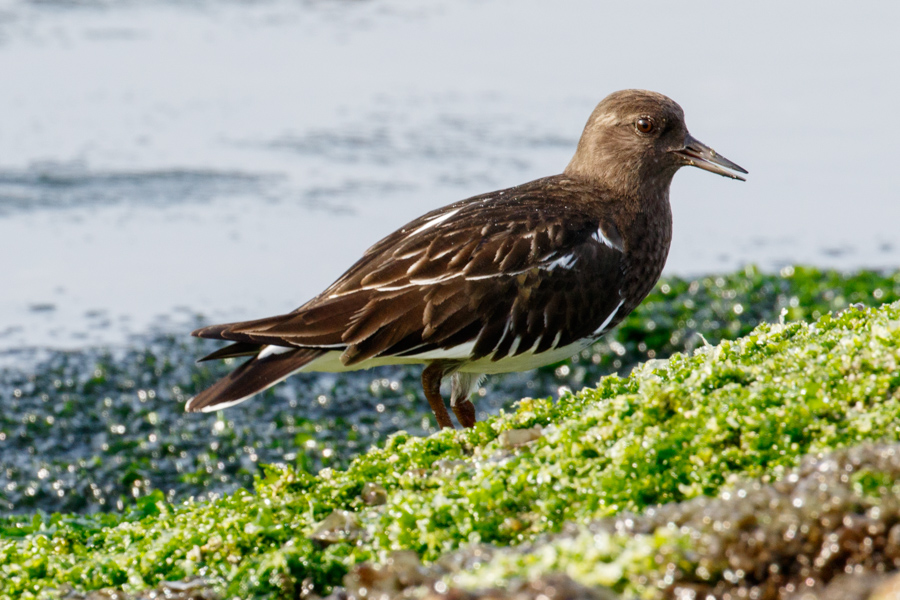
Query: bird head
{"points": [[637, 138]]}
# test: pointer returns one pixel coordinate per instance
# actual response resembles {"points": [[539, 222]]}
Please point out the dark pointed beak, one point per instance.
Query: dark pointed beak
{"points": [[697, 154]]}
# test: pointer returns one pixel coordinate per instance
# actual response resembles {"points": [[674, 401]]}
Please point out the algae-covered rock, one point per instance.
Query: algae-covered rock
{"points": [[193, 589], [672, 433], [829, 529], [834, 515]]}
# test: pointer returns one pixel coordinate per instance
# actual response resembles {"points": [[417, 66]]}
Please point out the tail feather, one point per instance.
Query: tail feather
{"points": [[250, 378], [232, 351], [226, 330]]}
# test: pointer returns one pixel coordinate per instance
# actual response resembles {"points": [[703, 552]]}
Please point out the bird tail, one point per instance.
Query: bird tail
{"points": [[257, 374]]}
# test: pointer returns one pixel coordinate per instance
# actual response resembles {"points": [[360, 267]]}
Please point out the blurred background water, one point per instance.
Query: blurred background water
{"points": [[160, 160], [167, 163]]}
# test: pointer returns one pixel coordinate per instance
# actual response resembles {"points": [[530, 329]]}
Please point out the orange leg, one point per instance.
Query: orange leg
{"points": [[431, 383], [465, 413]]}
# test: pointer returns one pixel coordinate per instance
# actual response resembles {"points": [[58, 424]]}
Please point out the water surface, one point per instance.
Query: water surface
{"points": [[162, 160]]}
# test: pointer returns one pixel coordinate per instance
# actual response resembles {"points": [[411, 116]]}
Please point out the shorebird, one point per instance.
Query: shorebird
{"points": [[506, 281]]}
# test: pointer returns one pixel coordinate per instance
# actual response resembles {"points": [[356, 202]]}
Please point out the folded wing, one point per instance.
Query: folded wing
{"points": [[492, 276]]}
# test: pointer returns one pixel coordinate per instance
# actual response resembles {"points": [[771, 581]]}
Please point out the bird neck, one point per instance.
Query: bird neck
{"points": [[647, 188], [625, 178]]}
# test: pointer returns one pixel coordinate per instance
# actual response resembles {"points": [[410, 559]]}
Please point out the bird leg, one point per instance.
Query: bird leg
{"points": [[465, 412], [431, 383], [464, 385]]}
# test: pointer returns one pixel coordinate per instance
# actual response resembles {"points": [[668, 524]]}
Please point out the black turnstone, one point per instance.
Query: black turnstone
{"points": [[506, 281]]}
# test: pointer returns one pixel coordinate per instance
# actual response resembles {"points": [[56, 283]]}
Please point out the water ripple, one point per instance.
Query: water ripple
{"points": [[70, 185]]}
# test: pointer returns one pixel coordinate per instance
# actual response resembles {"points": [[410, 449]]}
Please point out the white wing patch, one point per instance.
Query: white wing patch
{"points": [[565, 262], [603, 325], [270, 350], [434, 221], [515, 345], [598, 236]]}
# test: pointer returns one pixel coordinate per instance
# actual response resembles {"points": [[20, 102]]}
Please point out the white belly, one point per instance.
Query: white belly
{"points": [[330, 362]]}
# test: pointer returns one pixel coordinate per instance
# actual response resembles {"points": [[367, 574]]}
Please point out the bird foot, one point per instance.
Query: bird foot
{"points": [[465, 413]]}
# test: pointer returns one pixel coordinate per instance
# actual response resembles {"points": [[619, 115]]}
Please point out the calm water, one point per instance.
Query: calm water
{"points": [[163, 160]]}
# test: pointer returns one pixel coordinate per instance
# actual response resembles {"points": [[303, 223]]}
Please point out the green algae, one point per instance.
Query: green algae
{"points": [[94, 430], [790, 538], [670, 431]]}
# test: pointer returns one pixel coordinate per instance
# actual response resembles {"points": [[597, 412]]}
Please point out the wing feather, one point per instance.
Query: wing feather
{"points": [[494, 271]]}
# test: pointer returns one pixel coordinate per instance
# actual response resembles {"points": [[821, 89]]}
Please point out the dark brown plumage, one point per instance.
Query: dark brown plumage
{"points": [[505, 281]]}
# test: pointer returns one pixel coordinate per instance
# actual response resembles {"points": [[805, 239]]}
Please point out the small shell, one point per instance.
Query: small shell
{"points": [[339, 526], [519, 437], [373, 494]]}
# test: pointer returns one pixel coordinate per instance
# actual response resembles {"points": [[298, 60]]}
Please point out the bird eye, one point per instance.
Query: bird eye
{"points": [[644, 125]]}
